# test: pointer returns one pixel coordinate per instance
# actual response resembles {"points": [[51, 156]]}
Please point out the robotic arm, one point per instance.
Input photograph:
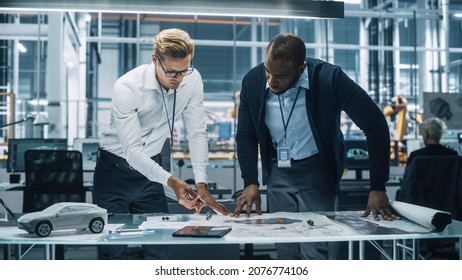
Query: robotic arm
{"points": [[398, 107]]}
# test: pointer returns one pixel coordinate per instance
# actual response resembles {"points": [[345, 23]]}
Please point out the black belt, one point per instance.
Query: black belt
{"points": [[119, 161], [315, 156]]}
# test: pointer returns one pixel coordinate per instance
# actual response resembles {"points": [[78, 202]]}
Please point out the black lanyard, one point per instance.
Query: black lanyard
{"points": [[286, 124], [170, 127]]}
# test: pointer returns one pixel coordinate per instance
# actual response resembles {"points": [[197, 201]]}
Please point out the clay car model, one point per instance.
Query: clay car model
{"points": [[64, 215]]}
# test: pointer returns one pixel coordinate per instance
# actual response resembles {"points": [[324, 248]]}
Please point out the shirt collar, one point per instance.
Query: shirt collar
{"points": [[151, 81], [304, 80]]}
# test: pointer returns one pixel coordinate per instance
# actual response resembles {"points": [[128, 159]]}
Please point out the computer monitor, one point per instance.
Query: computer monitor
{"points": [[415, 144], [357, 155], [17, 148], [89, 149]]}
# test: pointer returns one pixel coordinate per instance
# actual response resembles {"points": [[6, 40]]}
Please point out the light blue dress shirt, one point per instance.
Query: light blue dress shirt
{"points": [[299, 134]]}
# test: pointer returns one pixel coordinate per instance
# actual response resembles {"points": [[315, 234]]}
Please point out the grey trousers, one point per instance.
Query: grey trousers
{"points": [[301, 188]]}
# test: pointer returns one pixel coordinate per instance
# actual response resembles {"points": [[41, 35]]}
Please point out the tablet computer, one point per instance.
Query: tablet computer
{"points": [[202, 231]]}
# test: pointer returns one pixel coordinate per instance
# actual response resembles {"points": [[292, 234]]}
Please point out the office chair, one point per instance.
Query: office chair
{"points": [[435, 182], [52, 176]]}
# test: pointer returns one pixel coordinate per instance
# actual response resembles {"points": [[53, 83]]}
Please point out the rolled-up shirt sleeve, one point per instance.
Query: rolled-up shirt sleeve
{"points": [[194, 117]]}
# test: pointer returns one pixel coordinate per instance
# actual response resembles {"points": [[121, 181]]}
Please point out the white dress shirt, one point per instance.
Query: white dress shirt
{"points": [[138, 127]]}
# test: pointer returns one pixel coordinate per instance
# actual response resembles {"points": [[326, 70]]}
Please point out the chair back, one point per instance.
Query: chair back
{"points": [[434, 182], [52, 176]]}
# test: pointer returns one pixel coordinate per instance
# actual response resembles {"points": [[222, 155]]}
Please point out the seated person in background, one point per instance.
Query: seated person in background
{"points": [[430, 180], [433, 129]]}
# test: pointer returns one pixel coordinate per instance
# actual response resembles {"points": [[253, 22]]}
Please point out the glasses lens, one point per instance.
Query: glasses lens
{"points": [[181, 73], [175, 73], [187, 72], [170, 74]]}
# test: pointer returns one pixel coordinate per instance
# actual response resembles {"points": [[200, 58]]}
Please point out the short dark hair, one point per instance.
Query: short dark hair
{"points": [[288, 47]]}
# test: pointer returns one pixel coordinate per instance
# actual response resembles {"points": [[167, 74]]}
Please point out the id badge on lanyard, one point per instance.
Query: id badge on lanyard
{"points": [[283, 157]]}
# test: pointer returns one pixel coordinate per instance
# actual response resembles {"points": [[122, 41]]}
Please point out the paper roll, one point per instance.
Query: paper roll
{"points": [[431, 218]]}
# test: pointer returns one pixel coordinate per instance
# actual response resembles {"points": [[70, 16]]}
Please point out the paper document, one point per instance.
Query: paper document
{"points": [[261, 226]]}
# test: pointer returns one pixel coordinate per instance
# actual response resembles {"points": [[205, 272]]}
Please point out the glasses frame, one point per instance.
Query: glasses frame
{"points": [[174, 74]]}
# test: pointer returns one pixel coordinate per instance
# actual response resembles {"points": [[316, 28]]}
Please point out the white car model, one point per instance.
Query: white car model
{"points": [[64, 215]]}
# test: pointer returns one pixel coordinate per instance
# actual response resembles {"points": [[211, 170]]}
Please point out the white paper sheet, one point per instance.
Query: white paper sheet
{"points": [[261, 226]]}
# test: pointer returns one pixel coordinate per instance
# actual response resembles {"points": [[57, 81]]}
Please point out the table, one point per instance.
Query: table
{"points": [[265, 229]]}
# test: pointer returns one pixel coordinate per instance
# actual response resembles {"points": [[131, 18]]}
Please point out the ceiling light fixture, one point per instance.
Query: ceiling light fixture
{"points": [[242, 8]]}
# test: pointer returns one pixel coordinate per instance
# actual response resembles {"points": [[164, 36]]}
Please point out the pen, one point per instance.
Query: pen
{"points": [[202, 200], [190, 197], [130, 232]]}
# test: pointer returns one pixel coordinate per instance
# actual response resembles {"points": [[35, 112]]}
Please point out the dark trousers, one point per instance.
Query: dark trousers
{"points": [[121, 189], [301, 188]]}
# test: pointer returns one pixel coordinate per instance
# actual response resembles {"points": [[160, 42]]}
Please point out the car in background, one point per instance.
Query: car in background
{"points": [[357, 154], [64, 215]]}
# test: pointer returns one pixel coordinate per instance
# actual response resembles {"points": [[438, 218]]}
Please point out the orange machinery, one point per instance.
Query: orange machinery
{"points": [[399, 108]]}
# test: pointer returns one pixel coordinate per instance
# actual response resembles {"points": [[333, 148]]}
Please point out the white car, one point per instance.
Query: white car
{"points": [[64, 215]]}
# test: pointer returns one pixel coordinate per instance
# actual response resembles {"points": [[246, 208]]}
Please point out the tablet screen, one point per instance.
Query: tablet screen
{"points": [[202, 231]]}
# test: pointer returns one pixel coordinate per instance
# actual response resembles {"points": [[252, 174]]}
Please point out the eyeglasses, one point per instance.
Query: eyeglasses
{"points": [[175, 73]]}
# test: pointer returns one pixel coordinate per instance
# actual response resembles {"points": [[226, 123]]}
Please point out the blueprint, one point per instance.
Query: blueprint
{"points": [[290, 225], [262, 226]]}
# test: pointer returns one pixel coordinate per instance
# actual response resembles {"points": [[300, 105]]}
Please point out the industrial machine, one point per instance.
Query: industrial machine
{"points": [[398, 108]]}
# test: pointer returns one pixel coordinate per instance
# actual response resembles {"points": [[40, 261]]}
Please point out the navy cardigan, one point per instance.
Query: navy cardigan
{"points": [[331, 92]]}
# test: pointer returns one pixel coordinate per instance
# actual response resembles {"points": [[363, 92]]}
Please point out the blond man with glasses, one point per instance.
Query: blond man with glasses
{"points": [[132, 168]]}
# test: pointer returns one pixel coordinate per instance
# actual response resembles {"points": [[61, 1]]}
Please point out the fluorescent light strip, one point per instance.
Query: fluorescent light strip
{"points": [[161, 13], [239, 8]]}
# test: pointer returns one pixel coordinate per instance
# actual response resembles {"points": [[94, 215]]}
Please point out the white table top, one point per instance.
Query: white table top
{"points": [[264, 229]]}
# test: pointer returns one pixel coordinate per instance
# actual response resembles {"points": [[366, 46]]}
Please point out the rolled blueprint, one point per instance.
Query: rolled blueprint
{"points": [[431, 218]]}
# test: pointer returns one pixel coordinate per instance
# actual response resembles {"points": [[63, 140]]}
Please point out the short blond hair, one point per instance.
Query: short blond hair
{"points": [[174, 43]]}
